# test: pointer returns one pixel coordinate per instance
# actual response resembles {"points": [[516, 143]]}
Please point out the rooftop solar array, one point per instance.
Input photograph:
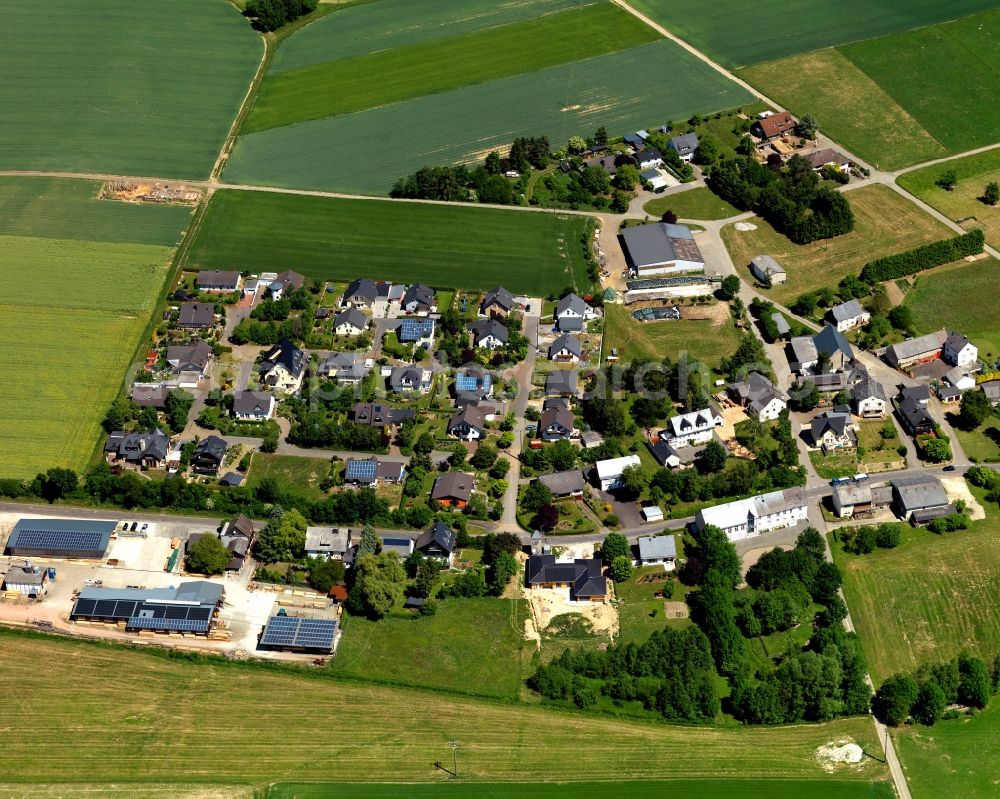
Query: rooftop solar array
{"points": [[42, 539], [289, 632], [665, 282], [414, 329], [140, 615], [396, 542], [361, 470], [71, 536], [473, 381]]}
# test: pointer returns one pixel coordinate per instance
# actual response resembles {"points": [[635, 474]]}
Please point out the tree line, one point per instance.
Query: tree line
{"points": [[924, 257]]}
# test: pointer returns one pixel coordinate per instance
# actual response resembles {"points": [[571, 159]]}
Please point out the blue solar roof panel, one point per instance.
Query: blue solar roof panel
{"points": [[292, 632], [162, 623], [415, 329], [360, 470], [473, 381], [395, 542], [64, 540]]}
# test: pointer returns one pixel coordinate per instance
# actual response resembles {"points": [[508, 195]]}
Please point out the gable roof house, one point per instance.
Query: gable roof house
{"points": [[833, 430], [214, 280], [660, 249], [826, 156], [802, 354], [636, 140], [763, 513], [912, 407], [360, 292], [237, 536], [419, 299], [285, 283], [196, 315], [144, 450], [468, 424], [473, 383], [773, 126], [657, 549], [831, 342], [193, 357], [571, 312], [453, 489], [556, 424], [765, 269], [253, 405], [563, 484], [583, 577], [695, 427], [438, 542], [283, 367], [648, 158], [959, 378], [922, 349], [410, 377], [351, 322], [566, 348], [849, 315], [416, 331], [665, 454], [489, 333], [150, 396], [759, 397], [609, 472], [380, 414], [327, 542], [372, 471], [609, 163], [561, 383], [497, 303], [856, 498], [684, 145], [869, 399], [348, 368], [959, 351], [208, 457]]}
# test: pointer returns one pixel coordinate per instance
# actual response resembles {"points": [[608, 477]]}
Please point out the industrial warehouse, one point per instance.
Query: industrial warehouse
{"points": [[60, 538]]}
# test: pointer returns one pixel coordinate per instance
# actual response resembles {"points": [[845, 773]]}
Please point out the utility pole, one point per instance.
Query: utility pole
{"points": [[454, 751]]}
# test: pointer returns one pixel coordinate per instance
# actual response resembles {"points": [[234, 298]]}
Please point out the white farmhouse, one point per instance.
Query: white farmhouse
{"points": [[746, 518]]}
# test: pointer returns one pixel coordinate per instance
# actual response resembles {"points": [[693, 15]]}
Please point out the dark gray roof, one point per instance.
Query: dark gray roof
{"points": [[563, 483], [662, 451], [868, 387], [919, 492], [440, 534], [648, 154], [362, 289], [420, 294], [344, 365], [196, 314], [150, 396], [755, 391], [212, 447], [210, 278], [407, 377], [829, 340], [571, 302], [839, 423], [251, 402], [489, 327], [566, 342], [955, 341], [585, 575], [453, 485], [196, 354], [560, 418], [499, 296], [685, 144], [470, 415], [380, 413], [135, 447], [659, 243], [352, 317], [561, 381], [285, 354]]}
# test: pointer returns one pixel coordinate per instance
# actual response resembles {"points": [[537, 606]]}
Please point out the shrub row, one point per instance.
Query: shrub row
{"points": [[926, 257]]}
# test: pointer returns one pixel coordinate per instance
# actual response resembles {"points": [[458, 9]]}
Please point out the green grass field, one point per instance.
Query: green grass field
{"points": [[344, 86], [688, 789], [851, 107], [624, 90], [705, 340], [929, 598], [450, 650], [335, 239], [983, 443], [960, 296], [114, 739], [640, 613], [886, 223], [120, 87], [699, 203], [77, 301], [293, 473], [738, 33], [962, 202], [954, 758]]}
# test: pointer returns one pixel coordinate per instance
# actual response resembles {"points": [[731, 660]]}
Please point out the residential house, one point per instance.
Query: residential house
{"points": [[453, 489], [991, 388], [473, 383], [913, 351], [468, 424], [360, 293], [285, 283], [438, 542], [497, 303], [609, 472], [949, 394], [283, 367], [561, 383], [833, 430], [828, 157], [567, 348], [656, 550], [347, 368], [609, 163], [193, 357], [695, 427], [380, 414], [583, 577], [661, 248], [489, 333], [773, 125], [214, 280], [564, 485], [419, 299], [831, 343], [351, 322], [556, 424], [410, 377], [142, 450], [920, 498], [571, 312], [373, 471], [684, 145], [746, 518], [648, 158], [959, 378], [758, 397], [857, 498], [959, 351], [254, 406], [328, 543], [665, 454], [768, 270], [869, 399], [849, 315], [196, 315], [397, 544], [150, 396], [802, 354], [238, 536], [416, 331], [912, 407], [208, 457], [388, 295], [636, 140]]}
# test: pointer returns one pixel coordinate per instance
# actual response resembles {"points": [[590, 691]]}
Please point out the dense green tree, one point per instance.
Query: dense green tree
{"points": [[974, 687], [501, 570], [484, 456], [947, 179], [894, 699], [707, 152], [368, 543], [634, 481], [975, 409], [729, 287], [991, 195], [208, 556], [615, 545], [282, 538], [324, 574], [807, 126], [626, 176], [930, 703], [535, 496], [713, 457], [620, 569]]}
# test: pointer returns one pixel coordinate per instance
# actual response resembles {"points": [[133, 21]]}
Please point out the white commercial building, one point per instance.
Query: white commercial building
{"points": [[746, 518]]}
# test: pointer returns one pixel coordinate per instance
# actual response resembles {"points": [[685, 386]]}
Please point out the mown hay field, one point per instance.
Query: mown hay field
{"points": [[136, 717], [72, 313], [367, 151], [737, 33], [706, 340], [442, 245], [341, 87], [119, 87], [886, 223]]}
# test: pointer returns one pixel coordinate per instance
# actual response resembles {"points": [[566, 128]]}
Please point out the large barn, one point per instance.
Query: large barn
{"points": [[60, 538], [661, 249]]}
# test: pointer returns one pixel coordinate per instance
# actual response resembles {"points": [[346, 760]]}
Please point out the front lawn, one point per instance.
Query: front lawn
{"points": [[697, 203]]}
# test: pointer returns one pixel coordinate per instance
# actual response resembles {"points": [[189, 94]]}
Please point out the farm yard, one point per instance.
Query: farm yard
{"points": [[617, 90], [707, 339], [347, 721], [340, 239], [76, 303], [927, 599], [963, 201], [936, 84], [151, 89], [737, 33], [886, 223]]}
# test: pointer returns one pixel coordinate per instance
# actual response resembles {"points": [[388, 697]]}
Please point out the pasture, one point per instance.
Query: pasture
{"points": [[305, 724], [954, 758], [962, 202], [618, 90], [705, 340], [886, 223], [446, 651], [441, 245], [344, 86], [700, 203], [738, 33], [927, 599], [960, 296], [150, 88], [76, 304], [852, 109]]}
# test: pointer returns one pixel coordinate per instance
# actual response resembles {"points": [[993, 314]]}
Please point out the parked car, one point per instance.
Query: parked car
{"points": [[132, 528], [949, 468], [144, 528]]}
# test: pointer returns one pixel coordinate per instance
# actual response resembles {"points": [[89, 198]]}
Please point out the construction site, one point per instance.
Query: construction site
{"points": [[149, 193]]}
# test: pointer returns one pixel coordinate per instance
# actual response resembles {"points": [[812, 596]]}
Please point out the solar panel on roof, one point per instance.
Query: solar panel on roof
{"points": [[289, 631], [395, 542], [360, 470], [84, 607], [55, 540], [181, 625]]}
